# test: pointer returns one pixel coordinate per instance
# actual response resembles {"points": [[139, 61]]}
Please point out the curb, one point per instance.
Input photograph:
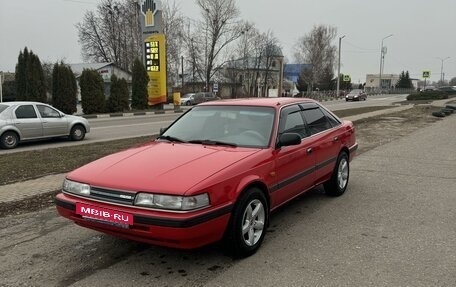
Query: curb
{"points": [[131, 114]]}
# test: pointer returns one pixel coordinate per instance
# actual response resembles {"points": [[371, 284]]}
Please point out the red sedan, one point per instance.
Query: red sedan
{"points": [[216, 173]]}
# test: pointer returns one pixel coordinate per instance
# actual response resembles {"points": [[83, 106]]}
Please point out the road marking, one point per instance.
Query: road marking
{"points": [[132, 125]]}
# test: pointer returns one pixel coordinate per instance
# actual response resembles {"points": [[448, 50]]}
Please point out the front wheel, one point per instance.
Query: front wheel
{"points": [[248, 224], [77, 133], [337, 185]]}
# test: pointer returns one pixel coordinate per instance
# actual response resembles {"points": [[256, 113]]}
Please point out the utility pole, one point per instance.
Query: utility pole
{"points": [[382, 57], [182, 63], [338, 68], [442, 75], [1, 87], [205, 55]]}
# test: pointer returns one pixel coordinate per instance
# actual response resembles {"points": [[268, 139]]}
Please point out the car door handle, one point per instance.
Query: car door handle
{"points": [[335, 139], [309, 150]]}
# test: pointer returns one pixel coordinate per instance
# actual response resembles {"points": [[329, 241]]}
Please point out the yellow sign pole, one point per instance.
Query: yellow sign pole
{"points": [[155, 53]]}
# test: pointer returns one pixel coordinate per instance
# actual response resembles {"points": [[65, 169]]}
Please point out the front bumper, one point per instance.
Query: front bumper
{"points": [[177, 230]]}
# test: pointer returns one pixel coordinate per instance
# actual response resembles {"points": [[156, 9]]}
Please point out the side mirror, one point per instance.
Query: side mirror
{"points": [[163, 130], [289, 139], [62, 115]]}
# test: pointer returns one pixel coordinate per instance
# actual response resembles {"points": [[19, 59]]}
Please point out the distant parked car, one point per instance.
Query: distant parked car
{"points": [[450, 89], [356, 95], [23, 121], [187, 99], [197, 98]]}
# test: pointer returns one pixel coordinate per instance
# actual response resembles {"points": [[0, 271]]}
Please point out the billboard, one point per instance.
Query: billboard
{"points": [[155, 60]]}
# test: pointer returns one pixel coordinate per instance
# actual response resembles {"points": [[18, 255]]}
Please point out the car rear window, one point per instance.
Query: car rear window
{"points": [[2, 108]]}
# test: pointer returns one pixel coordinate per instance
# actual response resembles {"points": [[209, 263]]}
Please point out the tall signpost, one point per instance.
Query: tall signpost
{"points": [[154, 50], [426, 75]]}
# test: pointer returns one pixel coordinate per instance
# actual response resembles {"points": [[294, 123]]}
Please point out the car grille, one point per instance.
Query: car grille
{"points": [[115, 196]]}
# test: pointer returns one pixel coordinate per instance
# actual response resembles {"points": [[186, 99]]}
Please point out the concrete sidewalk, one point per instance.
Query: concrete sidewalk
{"points": [[51, 183]]}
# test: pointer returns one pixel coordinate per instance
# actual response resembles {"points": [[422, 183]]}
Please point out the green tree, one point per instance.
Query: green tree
{"points": [[118, 100], [92, 92], [453, 82], [404, 81], [9, 91], [140, 80], [64, 88], [29, 77]]}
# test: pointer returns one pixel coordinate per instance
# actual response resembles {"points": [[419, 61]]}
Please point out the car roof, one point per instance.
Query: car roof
{"points": [[21, 103], [262, 102]]}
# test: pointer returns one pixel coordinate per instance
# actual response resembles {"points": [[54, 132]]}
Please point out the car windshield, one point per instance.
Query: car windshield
{"points": [[2, 108], [224, 125], [355, 91], [187, 96]]}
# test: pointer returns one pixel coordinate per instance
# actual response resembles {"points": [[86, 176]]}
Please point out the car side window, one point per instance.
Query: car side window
{"points": [[291, 121], [25, 112], [316, 120], [47, 112], [332, 120]]}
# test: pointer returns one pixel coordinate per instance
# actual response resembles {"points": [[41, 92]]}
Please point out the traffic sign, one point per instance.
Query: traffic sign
{"points": [[215, 87], [347, 78], [426, 74]]}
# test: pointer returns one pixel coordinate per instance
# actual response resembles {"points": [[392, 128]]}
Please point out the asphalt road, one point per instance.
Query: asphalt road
{"points": [[105, 129], [395, 226]]}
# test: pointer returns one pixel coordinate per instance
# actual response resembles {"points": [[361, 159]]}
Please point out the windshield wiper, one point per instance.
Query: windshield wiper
{"points": [[171, 139], [212, 142]]}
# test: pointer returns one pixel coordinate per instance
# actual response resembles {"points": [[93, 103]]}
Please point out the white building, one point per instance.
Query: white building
{"points": [[388, 81], [106, 70]]}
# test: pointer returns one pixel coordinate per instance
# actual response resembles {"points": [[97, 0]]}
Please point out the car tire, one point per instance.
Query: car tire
{"points": [[188, 103], [246, 231], [346, 100], [338, 182], [9, 140], [450, 107], [77, 133]]}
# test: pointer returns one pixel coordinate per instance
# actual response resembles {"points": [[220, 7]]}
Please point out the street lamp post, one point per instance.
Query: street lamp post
{"points": [[1, 87], [382, 57], [442, 75], [205, 54], [338, 68]]}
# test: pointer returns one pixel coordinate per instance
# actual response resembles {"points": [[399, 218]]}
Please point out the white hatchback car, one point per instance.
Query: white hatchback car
{"points": [[23, 121]]}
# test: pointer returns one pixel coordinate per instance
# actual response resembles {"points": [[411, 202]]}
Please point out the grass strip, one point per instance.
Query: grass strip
{"points": [[20, 166]]}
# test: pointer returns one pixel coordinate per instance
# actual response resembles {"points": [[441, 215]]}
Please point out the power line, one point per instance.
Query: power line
{"points": [[358, 47], [81, 2]]}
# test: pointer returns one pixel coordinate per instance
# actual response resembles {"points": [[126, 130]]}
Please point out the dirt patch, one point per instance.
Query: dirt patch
{"points": [[377, 131], [358, 111]]}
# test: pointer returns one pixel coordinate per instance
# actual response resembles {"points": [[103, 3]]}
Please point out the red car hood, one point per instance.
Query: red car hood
{"points": [[159, 167]]}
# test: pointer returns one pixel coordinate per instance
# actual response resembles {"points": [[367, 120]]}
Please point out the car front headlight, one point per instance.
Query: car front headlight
{"points": [[170, 202], [76, 187]]}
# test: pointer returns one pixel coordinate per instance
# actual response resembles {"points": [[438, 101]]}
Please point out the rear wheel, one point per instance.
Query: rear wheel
{"points": [[248, 223], [77, 133], [9, 140], [337, 185]]}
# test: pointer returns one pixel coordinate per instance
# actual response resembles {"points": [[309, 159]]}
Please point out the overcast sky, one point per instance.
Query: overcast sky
{"points": [[423, 30]]}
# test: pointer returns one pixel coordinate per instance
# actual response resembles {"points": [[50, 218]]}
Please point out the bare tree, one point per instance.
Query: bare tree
{"points": [[272, 51], [258, 52], [219, 28], [111, 33], [316, 49], [173, 24]]}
